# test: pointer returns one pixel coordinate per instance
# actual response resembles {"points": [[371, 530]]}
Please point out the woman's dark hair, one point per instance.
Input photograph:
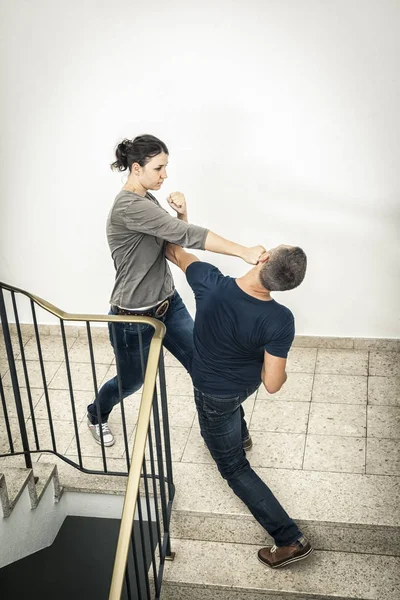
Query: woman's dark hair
{"points": [[140, 150]]}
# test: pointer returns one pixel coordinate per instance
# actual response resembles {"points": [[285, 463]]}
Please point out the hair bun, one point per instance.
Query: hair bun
{"points": [[121, 153], [123, 147]]}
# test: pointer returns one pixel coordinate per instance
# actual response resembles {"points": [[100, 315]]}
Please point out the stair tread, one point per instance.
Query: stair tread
{"points": [[322, 575], [73, 480], [347, 498], [16, 480], [44, 472]]}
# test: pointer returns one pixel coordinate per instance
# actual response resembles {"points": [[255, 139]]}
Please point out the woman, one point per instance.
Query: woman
{"points": [[138, 229]]}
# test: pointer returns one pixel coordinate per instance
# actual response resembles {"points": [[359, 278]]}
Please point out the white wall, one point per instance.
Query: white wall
{"points": [[282, 119]]}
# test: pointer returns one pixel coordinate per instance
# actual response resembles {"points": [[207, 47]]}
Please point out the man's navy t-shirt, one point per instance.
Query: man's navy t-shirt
{"points": [[231, 332]]}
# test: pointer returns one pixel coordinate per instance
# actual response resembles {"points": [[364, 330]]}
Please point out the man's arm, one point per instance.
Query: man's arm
{"points": [[179, 256], [273, 372]]}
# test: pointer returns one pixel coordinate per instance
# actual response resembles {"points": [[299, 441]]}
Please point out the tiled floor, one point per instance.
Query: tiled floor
{"points": [[339, 410]]}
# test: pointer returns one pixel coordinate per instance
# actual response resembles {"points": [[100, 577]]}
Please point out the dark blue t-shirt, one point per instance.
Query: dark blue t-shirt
{"points": [[231, 332]]}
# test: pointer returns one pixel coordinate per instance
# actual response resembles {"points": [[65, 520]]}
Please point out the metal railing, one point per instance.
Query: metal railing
{"points": [[144, 540]]}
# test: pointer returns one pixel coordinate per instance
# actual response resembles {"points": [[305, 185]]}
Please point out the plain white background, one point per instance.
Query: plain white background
{"points": [[282, 120]]}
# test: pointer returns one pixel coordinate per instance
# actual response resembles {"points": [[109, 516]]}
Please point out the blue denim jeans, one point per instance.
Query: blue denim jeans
{"points": [[178, 340], [223, 428]]}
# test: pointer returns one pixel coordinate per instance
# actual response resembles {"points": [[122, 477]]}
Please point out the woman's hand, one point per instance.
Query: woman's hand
{"points": [[177, 201], [253, 255]]}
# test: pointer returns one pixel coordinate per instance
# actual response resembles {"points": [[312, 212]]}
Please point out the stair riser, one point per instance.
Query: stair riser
{"points": [[324, 536], [185, 592]]}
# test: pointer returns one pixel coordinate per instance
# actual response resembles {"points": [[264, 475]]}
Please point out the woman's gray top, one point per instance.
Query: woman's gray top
{"points": [[138, 229]]}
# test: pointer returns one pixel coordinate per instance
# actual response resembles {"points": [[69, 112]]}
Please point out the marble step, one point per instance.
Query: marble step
{"points": [[359, 513], [14, 480], [220, 571]]}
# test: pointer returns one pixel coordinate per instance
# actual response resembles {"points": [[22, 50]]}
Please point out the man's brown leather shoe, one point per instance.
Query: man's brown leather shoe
{"points": [[247, 443], [279, 556]]}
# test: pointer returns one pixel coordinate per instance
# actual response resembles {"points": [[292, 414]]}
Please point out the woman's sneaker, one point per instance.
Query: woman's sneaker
{"points": [[279, 556], [108, 437]]}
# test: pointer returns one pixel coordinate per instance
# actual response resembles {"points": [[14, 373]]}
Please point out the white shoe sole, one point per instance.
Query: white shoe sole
{"points": [[108, 444]]}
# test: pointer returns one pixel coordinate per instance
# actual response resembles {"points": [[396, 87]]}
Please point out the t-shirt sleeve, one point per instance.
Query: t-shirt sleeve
{"points": [[145, 216], [280, 342], [202, 277]]}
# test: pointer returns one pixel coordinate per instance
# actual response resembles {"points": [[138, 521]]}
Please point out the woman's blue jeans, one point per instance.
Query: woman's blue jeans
{"points": [[223, 429], [178, 340]]}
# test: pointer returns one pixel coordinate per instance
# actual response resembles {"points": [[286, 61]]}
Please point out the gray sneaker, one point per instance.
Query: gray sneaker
{"points": [[108, 437]]}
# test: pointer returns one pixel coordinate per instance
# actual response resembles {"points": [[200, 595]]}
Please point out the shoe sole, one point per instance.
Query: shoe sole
{"points": [[244, 447], [108, 444], [288, 561]]}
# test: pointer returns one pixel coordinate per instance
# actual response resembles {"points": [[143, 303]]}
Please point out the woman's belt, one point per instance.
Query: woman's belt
{"points": [[157, 311]]}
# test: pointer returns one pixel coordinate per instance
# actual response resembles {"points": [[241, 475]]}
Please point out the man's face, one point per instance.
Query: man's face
{"points": [[153, 174]]}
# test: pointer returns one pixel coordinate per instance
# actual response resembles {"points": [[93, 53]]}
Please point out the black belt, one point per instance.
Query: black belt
{"points": [[157, 311]]}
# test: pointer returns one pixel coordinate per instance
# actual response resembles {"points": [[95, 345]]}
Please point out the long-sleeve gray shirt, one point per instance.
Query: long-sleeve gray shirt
{"points": [[138, 229]]}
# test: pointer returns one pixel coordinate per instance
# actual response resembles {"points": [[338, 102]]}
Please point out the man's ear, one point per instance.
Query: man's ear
{"points": [[264, 258]]}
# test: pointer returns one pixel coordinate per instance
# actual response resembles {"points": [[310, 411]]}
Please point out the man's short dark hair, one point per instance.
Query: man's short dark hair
{"points": [[284, 270]]}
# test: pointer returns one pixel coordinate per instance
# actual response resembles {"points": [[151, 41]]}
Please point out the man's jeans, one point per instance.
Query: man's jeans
{"points": [[178, 340], [223, 428]]}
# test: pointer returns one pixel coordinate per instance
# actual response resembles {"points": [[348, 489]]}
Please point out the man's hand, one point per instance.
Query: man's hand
{"points": [[253, 255], [170, 252], [177, 201]]}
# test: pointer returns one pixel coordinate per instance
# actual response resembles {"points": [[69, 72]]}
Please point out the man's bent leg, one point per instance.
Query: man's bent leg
{"points": [[221, 426]]}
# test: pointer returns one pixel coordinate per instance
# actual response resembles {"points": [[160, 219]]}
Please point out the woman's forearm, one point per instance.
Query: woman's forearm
{"points": [[218, 244]]}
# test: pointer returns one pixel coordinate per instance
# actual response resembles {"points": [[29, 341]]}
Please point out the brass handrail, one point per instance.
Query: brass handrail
{"points": [[132, 488], [159, 327]]}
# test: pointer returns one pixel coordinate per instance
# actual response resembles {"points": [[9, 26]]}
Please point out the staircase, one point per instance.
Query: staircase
{"points": [[352, 520]]}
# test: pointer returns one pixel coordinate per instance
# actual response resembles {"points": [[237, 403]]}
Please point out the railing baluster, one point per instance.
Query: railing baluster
{"points": [[121, 400], [71, 392], [14, 379], [160, 462], [154, 480], [135, 562], [142, 545], [96, 392], [28, 387], [128, 584], [149, 521], [167, 440], [6, 420], [46, 392]]}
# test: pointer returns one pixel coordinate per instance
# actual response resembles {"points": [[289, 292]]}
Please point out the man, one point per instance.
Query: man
{"points": [[242, 338]]}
